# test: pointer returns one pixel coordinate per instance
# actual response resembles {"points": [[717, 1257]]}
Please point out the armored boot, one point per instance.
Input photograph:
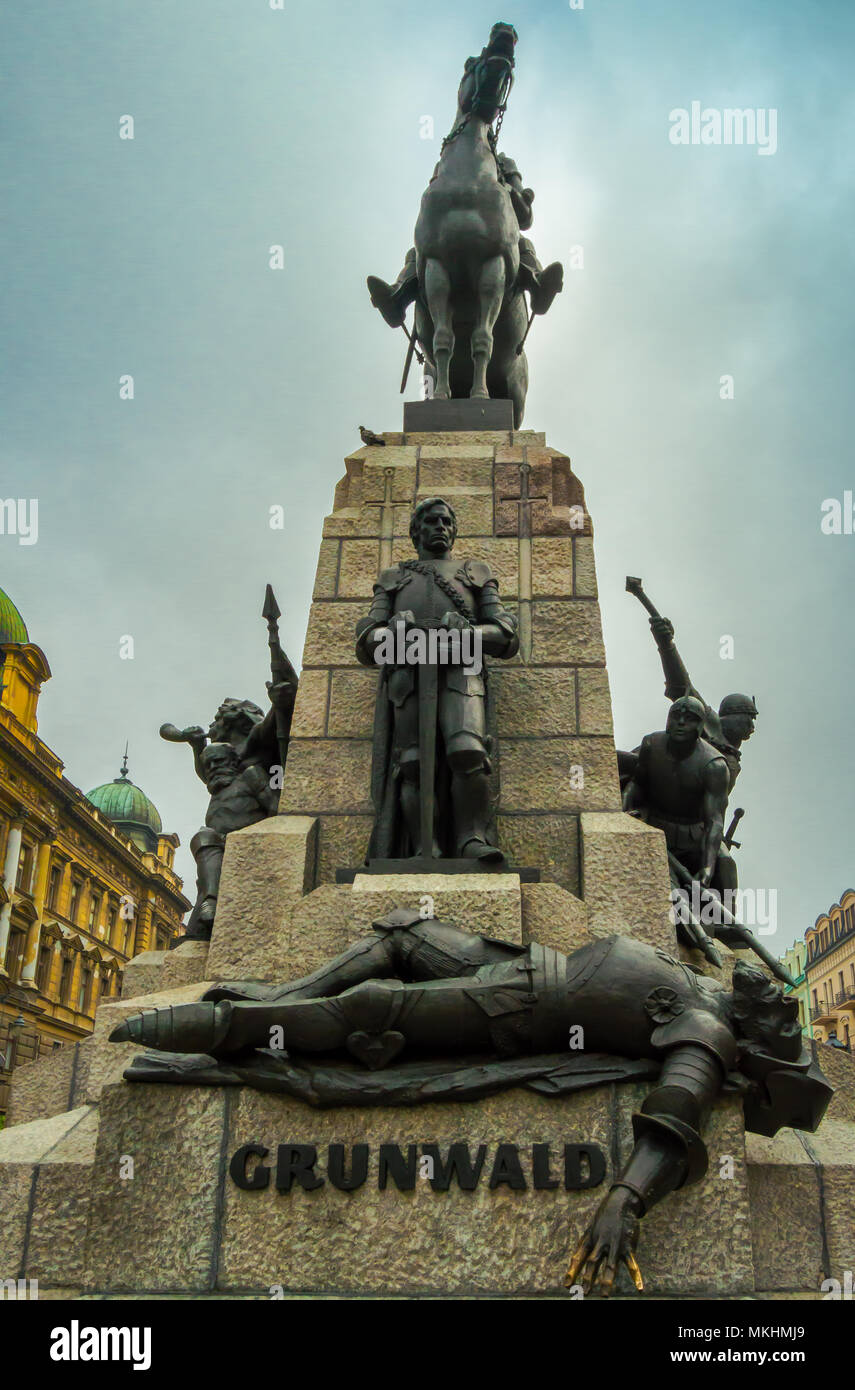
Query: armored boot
{"points": [[470, 795], [201, 1027], [542, 285], [392, 300]]}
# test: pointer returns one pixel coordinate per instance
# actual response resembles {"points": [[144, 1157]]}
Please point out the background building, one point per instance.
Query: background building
{"points": [[794, 961], [87, 881], [830, 971]]}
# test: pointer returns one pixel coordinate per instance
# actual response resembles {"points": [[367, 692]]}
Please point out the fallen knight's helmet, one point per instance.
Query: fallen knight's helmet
{"points": [[788, 1089]]}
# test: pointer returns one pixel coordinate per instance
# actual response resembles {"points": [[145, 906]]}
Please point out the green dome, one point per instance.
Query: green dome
{"points": [[12, 625], [127, 806]]}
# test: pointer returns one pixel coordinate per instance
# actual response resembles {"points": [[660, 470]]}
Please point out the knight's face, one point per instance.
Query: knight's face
{"points": [[683, 726], [436, 532]]}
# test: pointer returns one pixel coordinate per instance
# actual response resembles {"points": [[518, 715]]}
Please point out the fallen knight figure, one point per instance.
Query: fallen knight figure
{"points": [[500, 1015]]}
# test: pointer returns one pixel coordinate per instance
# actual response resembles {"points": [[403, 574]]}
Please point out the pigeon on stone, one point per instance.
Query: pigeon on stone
{"points": [[369, 437]]}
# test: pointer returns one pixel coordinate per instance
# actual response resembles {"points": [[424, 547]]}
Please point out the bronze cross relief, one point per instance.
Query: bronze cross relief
{"points": [[524, 501], [387, 519]]}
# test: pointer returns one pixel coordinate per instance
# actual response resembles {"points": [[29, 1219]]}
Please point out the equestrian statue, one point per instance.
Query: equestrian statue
{"points": [[470, 267]]}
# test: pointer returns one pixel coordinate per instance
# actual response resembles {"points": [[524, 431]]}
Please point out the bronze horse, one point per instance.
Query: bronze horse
{"points": [[470, 265]]}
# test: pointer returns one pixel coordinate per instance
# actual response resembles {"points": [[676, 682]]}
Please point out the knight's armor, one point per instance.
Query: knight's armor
{"points": [[430, 589], [676, 815]]}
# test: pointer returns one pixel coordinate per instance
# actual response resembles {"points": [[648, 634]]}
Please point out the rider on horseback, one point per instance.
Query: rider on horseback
{"points": [[542, 285]]}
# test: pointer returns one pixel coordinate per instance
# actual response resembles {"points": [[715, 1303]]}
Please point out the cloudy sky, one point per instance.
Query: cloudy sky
{"points": [[302, 126]]}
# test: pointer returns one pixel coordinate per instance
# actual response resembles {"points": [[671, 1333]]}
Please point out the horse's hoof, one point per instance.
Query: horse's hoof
{"points": [[479, 395], [442, 395]]}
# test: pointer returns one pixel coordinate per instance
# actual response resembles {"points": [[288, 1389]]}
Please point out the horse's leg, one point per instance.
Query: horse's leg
{"points": [[438, 295], [491, 293]]}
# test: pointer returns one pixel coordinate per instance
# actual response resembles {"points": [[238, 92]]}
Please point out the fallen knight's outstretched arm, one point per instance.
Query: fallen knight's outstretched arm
{"points": [[669, 1152]]}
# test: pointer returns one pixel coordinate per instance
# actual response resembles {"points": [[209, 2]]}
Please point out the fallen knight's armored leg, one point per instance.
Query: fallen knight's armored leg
{"points": [[403, 944], [374, 1021], [234, 1017]]}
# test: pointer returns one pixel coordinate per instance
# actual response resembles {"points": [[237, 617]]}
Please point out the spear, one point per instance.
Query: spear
{"points": [[281, 671]]}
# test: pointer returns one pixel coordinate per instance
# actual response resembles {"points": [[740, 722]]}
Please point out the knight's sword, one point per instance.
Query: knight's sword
{"points": [[411, 352], [428, 678]]}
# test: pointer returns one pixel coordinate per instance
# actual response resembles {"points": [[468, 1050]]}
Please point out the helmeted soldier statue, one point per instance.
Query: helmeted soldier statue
{"points": [[427, 989], [434, 712], [726, 730], [680, 786], [542, 285]]}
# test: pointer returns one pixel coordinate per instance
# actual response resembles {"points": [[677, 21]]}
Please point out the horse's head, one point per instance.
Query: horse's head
{"points": [[487, 79]]}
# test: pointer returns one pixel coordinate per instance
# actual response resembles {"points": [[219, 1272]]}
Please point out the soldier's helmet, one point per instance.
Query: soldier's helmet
{"points": [[691, 704], [737, 704]]}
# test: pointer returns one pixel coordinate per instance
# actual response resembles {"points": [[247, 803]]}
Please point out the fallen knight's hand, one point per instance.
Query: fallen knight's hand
{"points": [[609, 1240]]}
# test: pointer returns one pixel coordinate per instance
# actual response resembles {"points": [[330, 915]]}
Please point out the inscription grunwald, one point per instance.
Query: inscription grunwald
{"points": [[347, 1167]]}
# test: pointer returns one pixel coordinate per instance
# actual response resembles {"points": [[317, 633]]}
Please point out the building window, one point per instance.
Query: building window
{"points": [[74, 906], [162, 937], [23, 881], [15, 953], [65, 979], [112, 914], [127, 946], [84, 994], [43, 969], [53, 886], [94, 911]]}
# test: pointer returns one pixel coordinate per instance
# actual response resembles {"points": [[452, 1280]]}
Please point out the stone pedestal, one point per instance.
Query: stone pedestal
{"points": [[551, 706], [771, 1216]]}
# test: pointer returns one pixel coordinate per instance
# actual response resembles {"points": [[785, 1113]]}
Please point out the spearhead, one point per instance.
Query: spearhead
{"points": [[270, 611], [632, 585]]}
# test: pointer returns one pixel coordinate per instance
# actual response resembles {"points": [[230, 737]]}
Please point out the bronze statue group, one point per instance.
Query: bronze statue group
{"points": [[420, 1010]]}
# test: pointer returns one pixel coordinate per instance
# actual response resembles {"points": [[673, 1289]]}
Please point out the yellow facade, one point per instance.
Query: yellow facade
{"points": [[78, 897], [830, 972]]}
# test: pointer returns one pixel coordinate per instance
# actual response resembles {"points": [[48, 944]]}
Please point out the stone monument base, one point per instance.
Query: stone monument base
{"points": [[77, 1218]]}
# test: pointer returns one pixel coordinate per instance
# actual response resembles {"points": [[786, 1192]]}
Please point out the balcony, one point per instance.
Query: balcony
{"points": [[826, 1012], [822, 1013], [845, 998]]}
